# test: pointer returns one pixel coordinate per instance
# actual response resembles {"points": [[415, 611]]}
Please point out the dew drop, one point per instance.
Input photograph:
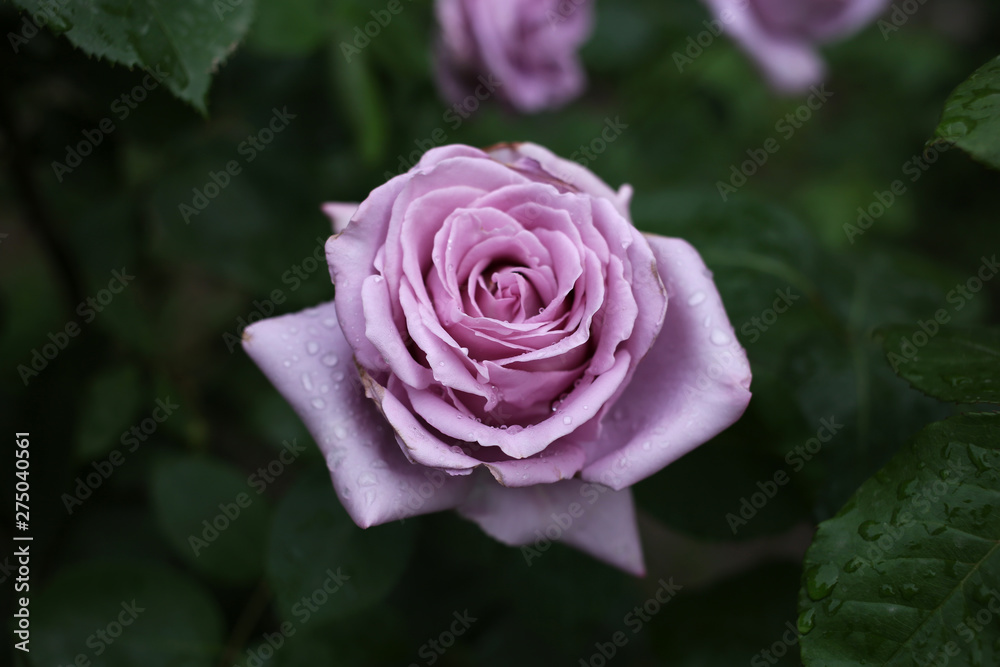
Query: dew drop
{"points": [[312, 347], [307, 382], [909, 591], [330, 323], [854, 564], [293, 330], [647, 445], [806, 621], [567, 420], [329, 360], [370, 497], [720, 337], [367, 479], [820, 580], [339, 377], [707, 322], [318, 403], [340, 431], [287, 363], [870, 530], [696, 298]]}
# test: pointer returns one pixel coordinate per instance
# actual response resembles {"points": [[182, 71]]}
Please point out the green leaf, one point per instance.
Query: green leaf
{"points": [[111, 402], [123, 614], [321, 565], [957, 365], [182, 41], [212, 517], [899, 576], [971, 118]]}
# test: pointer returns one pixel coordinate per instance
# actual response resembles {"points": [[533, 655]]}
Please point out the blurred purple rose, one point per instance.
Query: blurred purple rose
{"points": [[523, 51], [782, 35], [501, 343]]}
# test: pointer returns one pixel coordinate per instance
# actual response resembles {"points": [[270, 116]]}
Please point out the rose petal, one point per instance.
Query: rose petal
{"points": [[693, 384], [340, 214], [565, 170], [605, 525], [304, 352]]}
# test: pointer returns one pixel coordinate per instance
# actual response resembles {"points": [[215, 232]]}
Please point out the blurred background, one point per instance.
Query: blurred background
{"points": [[127, 274]]}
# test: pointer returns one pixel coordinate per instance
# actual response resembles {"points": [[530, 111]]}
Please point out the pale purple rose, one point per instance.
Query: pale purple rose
{"points": [[783, 35], [505, 342], [522, 51]]}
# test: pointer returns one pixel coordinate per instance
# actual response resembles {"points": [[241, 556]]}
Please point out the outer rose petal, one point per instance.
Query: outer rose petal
{"points": [[340, 214], [692, 385], [606, 529], [373, 479]]}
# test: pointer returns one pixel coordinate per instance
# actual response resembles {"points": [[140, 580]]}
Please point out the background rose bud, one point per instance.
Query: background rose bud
{"points": [[511, 329], [523, 51], [782, 35]]}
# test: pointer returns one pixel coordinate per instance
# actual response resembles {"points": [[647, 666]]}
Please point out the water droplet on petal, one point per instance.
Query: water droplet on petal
{"points": [[307, 382], [312, 347], [647, 445], [707, 323], [567, 420], [720, 337], [696, 298], [329, 360], [367, 479], [318, 403], [287, 363], [370, 497], [330, 323]]}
